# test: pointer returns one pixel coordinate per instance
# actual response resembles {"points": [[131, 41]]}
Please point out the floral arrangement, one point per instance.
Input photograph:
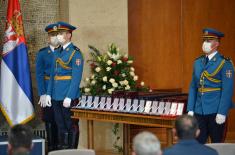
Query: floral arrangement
{"points": [[111, 71]]}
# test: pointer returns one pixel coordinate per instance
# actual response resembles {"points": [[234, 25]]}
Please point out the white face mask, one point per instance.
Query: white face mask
{"points": [[54, 41], [206, 47], [61, 39]]}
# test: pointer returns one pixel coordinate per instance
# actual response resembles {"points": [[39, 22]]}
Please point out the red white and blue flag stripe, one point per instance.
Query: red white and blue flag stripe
{"points": [[16, 98]]}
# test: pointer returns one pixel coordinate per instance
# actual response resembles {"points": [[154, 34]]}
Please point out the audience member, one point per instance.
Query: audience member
{"points": [[186, 130], [146, 143], [20, 140]]}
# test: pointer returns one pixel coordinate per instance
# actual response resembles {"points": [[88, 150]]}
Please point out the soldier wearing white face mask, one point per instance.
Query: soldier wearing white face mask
{"points": [[63, 88], [211, 89], [44, 63]]}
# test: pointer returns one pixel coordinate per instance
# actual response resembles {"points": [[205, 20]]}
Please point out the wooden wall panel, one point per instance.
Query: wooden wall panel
{"points": [[165, 37], [207, 13], [197, 15], [154, 41]]}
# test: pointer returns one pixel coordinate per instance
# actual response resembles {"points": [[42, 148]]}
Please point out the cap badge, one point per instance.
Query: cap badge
{"points": [[55, 28]]}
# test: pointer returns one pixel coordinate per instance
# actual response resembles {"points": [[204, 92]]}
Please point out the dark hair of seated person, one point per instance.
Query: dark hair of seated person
{"points": [[20, 140], [186, 127]]}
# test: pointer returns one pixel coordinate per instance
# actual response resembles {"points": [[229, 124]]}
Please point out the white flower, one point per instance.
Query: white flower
{"points": [[110, 90], [121, 83], [127, 87], [132, 73], [125, 82], [114, 56], [115, 85], [93, 82], [97, 69], [123, 75], [130, 61], [132, 69], [108, 69], [135, 78], [150, 90], [109, 62], [112, 80], [87, 79], [104, 87], [105, 78], [142, 83], [119, 61], [93, 76], [87, 90]]}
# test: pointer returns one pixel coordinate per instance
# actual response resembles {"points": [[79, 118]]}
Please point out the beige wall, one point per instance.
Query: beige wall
{"points": [[99, 23]]}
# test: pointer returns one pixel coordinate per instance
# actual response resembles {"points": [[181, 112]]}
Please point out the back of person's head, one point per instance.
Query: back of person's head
{"points": [[146, 143], [186, 127], [20, 139]]}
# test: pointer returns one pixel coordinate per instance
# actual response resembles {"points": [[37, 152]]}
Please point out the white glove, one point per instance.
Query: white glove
{"points": [[48, 100], [191, 113], [42, 101], [220, 119], [67, 102]]}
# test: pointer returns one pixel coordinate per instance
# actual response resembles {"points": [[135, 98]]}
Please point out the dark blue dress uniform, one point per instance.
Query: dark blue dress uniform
{"points": [[211, 92], [64, 83], [44, 63], [65, 80], [43, 68]]}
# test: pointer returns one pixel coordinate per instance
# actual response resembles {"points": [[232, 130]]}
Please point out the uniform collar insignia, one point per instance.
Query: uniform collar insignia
{"points": [[49, 51], [67, 49]]}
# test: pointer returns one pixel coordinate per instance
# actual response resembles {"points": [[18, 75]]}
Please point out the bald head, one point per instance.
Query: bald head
{"points": [[186, 127]]}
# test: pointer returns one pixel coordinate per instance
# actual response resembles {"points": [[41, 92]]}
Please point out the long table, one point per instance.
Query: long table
{"points": [[126, 119]]}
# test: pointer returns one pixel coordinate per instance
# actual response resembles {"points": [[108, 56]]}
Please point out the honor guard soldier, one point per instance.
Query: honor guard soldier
{"points": [[211, 89], [44, 63], [64, 83]]}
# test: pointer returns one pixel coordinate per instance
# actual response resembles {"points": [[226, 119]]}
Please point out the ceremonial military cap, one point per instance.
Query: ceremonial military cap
{"points": [[209, 33], [52, 28], [65, 26]]}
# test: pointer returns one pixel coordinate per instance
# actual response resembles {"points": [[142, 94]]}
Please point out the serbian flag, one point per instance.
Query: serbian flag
{"points": [[16, 96]]}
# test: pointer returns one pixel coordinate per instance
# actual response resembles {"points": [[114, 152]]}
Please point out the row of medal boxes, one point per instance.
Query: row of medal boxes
{"points": [[130, 105]]}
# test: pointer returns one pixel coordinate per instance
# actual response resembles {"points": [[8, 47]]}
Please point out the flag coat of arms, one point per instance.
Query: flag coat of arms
{"points": [[15, 81]]}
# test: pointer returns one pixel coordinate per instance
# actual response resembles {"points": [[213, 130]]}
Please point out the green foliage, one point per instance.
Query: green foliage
{"points": [[115, 131]]}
